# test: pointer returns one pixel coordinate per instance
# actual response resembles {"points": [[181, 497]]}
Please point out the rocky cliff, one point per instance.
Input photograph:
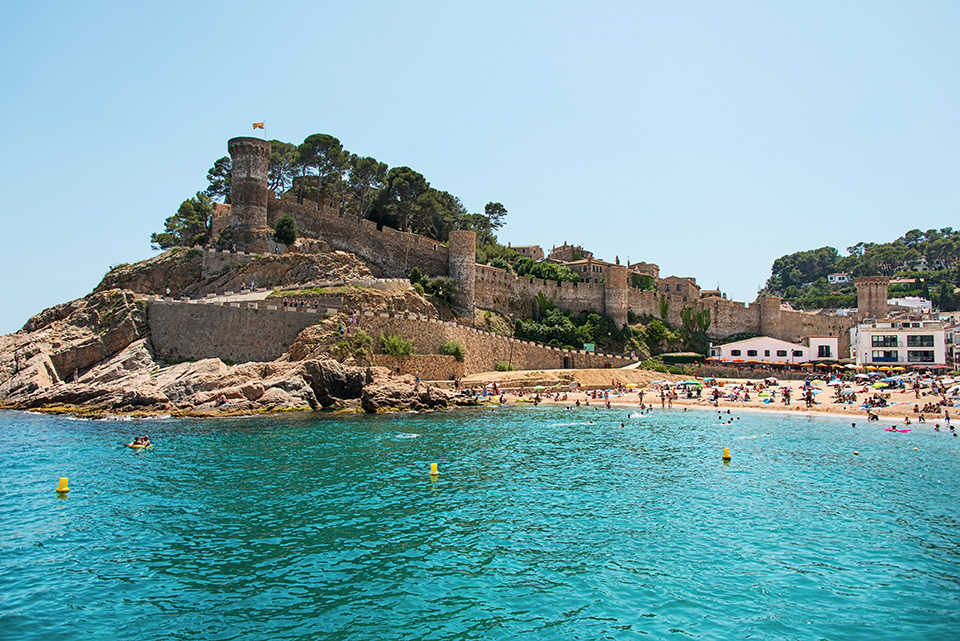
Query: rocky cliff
{"points": [[94, 356]]}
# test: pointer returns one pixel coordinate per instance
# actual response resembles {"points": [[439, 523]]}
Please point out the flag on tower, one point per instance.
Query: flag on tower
{"points": [[258, 125]]}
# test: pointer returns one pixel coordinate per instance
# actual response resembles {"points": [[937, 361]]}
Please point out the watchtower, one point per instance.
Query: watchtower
{"points": [[770, 315], [616, 296], [872, 293], [250, 158], [462, 266]]}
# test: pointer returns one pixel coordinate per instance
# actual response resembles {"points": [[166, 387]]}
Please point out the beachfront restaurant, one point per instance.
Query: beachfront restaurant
{"points": [[764, 350]]}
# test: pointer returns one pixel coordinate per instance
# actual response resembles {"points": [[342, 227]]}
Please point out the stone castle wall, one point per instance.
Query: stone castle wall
{"points": [[395, 252], [231, 332], [511, 294], [242, 332]]}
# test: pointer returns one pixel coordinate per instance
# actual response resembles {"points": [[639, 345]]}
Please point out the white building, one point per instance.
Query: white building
{"points": [[898, 342], [774, 350], [913, 303], [839, 278]]}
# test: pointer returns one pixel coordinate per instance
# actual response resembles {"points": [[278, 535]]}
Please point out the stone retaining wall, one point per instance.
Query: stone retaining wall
{"points": [[230, 332], [254, 331]]}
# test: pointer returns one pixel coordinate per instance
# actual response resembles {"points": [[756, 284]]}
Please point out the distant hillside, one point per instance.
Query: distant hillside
{"points": [[928, 258]]}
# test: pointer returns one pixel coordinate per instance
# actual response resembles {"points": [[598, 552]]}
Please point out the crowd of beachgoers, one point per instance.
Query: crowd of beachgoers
{"points": [[912, 399]]}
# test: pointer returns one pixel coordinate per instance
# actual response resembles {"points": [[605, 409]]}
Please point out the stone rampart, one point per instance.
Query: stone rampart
{"points": [[230, 331], [395, 252], [262, 331], [483, 349], [432, 367], [511, 294]]}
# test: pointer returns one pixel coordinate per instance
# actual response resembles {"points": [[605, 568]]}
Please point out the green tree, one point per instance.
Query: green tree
{"points": [[664, 307], [189, 226], [367, 176], [218, 178], [285, 231], [283, 165], [442, 287], [495, 213], [321, 154], [704, 319], [404, 188]]}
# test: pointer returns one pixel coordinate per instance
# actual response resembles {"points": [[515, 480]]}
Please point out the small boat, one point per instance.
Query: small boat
{"points": [[137, 446], [893, 429]]}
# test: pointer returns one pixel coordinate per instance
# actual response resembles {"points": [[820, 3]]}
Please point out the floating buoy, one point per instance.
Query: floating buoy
{"points": [[915, 449], [433, 470], [856, 453], [62, 488], [726, 454]]}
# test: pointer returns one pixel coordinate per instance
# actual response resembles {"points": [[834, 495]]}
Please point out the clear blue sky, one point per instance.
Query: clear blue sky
{"points": [[707, 137]]}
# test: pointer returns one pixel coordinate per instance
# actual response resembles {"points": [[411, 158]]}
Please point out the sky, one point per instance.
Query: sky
{"points": [[709, 138]]}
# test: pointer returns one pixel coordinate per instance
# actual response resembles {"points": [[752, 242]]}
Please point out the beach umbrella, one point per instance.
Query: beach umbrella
{"points": [[631, 385], [538, 387], [879, 384], [899, 369], [835, 381], [709, 378]]}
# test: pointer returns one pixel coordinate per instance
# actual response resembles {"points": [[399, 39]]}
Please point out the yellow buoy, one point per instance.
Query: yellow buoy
{"points": [[433, 470], [856, 453], [63, 485], [726, 454]]}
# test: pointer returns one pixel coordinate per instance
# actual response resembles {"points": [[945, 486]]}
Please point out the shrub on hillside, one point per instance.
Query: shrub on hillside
{"points": [[397, 345], [285, 231], [455, 349]]}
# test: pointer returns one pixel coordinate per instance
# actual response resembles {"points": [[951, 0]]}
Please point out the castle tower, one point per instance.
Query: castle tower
{"points": [[770, 317], [616, 296], [250, 159], [462, 266], [872, 293]]}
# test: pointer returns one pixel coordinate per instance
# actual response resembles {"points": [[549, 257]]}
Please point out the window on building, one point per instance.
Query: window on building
{"points": [[883, 341], [823, 351], [766, 352], [885, 356], [920, 340], [781, 352], [920, 356], [678, 287], [666, 288], [734, 352], [798, 353], [751, 352]]}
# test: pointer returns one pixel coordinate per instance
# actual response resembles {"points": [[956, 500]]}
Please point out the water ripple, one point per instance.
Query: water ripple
{"points": [[543, 524]]}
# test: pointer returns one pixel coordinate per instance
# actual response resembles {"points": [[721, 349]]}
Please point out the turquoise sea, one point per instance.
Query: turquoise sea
{"points": [[544, 523]]}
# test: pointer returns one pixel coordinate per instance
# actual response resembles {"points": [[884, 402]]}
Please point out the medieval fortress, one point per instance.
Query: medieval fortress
{"points": [[604, 287]]}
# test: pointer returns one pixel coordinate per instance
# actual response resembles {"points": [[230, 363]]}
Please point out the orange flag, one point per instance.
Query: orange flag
{"points": [[258, 125]]}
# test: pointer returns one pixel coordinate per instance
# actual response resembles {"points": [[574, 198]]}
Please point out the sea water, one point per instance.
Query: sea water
{"points": [[544, 523]]}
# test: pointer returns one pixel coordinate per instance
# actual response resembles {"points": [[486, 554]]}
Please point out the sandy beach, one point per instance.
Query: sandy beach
{"points": [[596, 387]]}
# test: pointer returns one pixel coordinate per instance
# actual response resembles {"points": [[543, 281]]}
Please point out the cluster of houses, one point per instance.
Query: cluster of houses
{"points": [[908, 341]]}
